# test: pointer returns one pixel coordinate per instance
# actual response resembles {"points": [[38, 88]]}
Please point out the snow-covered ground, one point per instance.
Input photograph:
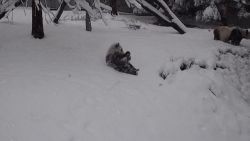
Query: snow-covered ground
{"points": [[59, 88]]}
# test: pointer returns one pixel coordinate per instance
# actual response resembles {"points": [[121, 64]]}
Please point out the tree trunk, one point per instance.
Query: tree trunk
{"points": [[88, 22], [60, 11], [37, 20], [114, 7]]}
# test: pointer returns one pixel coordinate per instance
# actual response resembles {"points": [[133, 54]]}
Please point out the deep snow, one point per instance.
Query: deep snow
{"points": [[59, 88]]}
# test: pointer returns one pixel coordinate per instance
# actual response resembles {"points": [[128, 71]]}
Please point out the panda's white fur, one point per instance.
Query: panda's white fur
{"points": [[225, 34], [114, 48], [222, 33]]}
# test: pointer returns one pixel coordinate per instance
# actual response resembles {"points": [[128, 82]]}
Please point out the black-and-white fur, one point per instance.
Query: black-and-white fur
{"points": [[233, 35], [117, 59]]}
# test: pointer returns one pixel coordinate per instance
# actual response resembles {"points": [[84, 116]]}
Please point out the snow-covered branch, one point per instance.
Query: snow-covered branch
{"points": [[134, 3], [8, 5], [93, 8]]}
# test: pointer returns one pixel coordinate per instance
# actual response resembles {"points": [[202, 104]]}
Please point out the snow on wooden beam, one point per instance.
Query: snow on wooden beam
{"points": [[172, 20], [106, 7], [153, 9], [175, 19]]}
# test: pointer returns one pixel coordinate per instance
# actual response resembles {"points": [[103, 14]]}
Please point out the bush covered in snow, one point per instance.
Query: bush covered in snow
{"points": [[211, 13], [210, 10]]}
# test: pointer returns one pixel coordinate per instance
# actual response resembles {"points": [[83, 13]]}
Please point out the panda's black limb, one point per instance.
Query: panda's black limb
{"points": [[216, 35], [235, 37]]}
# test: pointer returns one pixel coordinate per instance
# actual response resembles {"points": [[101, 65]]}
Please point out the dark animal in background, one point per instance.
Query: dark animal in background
{"points": [[233, 35], [120, 61]]}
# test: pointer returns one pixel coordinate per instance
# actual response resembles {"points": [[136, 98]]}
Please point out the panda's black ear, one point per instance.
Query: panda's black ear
{"points": [[247, 32], [117, 44], [127, 53]]}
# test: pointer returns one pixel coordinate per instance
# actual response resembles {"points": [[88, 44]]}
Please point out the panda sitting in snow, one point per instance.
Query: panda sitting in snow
{"points": [[117, 59], [234, 35]]}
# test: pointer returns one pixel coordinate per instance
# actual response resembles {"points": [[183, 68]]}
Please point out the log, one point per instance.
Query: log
{"points": [[60, 11]]}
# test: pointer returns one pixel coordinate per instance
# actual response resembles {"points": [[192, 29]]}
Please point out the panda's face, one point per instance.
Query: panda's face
{"points": [[118, 47]]}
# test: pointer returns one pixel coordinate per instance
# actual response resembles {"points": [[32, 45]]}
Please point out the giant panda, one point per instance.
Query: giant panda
{"points": [[233, 35], [120, 60]]}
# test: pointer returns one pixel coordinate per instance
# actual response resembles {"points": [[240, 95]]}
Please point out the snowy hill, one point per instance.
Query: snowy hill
{"points": [[60, 89]]}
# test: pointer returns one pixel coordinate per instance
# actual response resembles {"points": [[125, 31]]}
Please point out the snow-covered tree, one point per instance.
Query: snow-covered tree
{"points": [[92, 8], [7, 6], [211, 13]]}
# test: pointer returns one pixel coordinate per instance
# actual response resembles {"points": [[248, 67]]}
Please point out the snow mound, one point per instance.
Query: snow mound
{"points": [[237, 62]]}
